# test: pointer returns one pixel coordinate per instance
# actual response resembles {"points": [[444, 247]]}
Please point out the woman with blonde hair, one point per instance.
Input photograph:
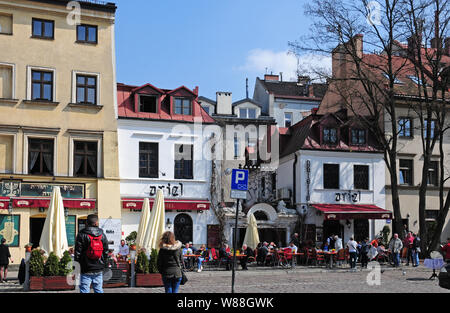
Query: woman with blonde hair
{"points": [[169, 262]]}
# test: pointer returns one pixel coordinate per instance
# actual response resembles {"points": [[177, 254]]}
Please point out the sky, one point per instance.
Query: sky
{"points": [[213, 44]]}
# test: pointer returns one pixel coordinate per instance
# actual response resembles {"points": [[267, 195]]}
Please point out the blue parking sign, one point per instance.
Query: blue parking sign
{"points": [[239, 184]]}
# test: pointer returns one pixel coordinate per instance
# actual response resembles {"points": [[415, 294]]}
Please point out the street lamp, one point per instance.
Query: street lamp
{"points": [[168, 224], [66, 212]]}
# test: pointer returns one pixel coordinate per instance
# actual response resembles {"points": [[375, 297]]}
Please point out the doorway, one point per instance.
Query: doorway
{"points": [[361, 229], [333, 228], [36, 227], [183, 228]]}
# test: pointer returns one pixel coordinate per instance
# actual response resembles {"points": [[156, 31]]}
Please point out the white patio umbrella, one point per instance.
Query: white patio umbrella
{"points": [[143, 224], [156, 226], [54, 236], [251, 238]]}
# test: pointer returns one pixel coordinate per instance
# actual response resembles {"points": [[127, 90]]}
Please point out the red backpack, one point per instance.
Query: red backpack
{"points": [[95, 249]]}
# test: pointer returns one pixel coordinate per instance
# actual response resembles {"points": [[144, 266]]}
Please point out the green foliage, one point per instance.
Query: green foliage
{"points": [[131, 238], [142, 264], [36, 263], [65, 264], [154, 261], [51, 267]]}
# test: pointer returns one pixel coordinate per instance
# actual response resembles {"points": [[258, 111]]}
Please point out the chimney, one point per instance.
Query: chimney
{"points": [[271, 77], [196, 90], [303, 80], [358, 42], [224, 103]]}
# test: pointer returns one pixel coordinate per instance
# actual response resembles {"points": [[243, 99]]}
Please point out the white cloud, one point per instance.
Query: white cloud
{"points": [[260, 61]]}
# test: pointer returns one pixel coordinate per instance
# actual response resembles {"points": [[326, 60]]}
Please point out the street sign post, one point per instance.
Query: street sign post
{"points": [[239, 188]]}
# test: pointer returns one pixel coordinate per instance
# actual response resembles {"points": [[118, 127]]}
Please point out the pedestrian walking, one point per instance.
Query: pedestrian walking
{"points": [[409, 245], [365, 248], [91, 252], [5, 257], [395, 247], [352, 250], [169, 262]]}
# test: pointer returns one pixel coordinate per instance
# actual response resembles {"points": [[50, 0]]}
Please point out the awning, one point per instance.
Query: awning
{"points": [[353, 211], [170, 204], [4, 203], [45, 202]]}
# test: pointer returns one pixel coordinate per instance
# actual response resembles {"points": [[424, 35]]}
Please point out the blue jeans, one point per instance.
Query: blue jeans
{"points": [[171, 285], [353, 257], [416, 258], [396, 256], [95, 279], [199, 262]]}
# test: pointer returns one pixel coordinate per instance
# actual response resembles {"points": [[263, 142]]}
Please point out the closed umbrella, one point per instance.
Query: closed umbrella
{"points": [[156, 226], [251, 234], [143, 224], [54, 236]]}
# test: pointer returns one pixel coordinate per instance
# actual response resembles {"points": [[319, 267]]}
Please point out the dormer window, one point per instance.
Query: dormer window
{"points": [[358, 137], [183, 106], [148, 104], [330, 136], [247, 113]]}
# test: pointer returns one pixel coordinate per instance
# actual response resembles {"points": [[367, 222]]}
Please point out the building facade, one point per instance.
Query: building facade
{"points": [[57, 117], [164, 143], [334, 177]]}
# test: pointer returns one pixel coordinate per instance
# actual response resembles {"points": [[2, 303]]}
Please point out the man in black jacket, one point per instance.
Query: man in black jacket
{"points": [[91, 251], [247, 252]]}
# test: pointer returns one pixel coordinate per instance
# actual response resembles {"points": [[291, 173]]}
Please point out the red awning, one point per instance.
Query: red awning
{"points": [[45, 202], [4, 203], [353, 211], [170, 204]]}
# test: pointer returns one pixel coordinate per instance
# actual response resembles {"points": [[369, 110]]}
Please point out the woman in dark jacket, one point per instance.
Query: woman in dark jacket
{"points": [[169, 262], [5, 256]]}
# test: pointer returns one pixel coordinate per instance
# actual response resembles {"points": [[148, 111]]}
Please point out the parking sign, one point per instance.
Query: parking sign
{"points": [[239, 184]]}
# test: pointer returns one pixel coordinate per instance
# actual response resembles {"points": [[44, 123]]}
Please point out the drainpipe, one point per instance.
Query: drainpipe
{"points": [[294, 183]]}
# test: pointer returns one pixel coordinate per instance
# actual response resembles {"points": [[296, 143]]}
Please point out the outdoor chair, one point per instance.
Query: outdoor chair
{"points": [[320, 258], [340, 257]]}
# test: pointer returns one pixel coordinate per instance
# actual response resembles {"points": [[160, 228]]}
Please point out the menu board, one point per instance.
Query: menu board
{"points": [[9, 229], [71, 222], [112, 228]]}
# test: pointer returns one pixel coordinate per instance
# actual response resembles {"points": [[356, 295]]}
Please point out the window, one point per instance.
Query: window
{"points": [[247, 113], [184, 162], [5, 24], [183, 106], [85, 159], [330, 136], [206, 108], [148, 104], [42, 85], [287, 119], [406, 172], [361, 177], [86, 89], [405, 127], [432, 176], [236, 146], [43, 29], [6, 82], [148, 160], [358, 137], [87, 33], [431, 214], [40, 156], [432, 128], [331, 176]]}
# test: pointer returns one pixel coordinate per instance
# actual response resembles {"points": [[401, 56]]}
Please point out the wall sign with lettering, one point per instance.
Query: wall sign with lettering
{"points": [[348, 196], [112, 228], [14, 188], [176, 190], [9, 229]]}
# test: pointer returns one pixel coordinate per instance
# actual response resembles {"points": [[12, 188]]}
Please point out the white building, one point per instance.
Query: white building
{"points": [[332, 172], [163, 144]]}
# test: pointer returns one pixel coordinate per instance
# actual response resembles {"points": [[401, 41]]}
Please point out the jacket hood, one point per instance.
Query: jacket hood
{"points": [[175, 246], [93, 231]]}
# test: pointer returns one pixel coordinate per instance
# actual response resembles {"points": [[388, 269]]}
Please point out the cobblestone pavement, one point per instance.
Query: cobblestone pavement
{"points": [[299, 280]]}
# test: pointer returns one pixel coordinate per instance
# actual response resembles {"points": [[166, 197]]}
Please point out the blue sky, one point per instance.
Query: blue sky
{"points": [[213, 44]]}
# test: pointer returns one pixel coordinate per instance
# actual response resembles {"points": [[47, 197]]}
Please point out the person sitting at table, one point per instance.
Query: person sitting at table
{"points": [[194, 249], [263, 251], [293, 247], [225, 255], [247, 252], [202, 255], [325, 246], [124, 250], [186, 251]]}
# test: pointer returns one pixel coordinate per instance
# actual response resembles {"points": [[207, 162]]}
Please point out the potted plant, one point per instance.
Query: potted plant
{"points": [[131, 240], [147, 272], [55, 272], [36, 270]]}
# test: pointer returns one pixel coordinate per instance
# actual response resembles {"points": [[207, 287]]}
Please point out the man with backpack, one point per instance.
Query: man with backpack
{"points": [[91, 250]]}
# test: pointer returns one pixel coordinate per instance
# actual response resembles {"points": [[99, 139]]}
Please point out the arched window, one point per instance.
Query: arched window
{"points": [[183, 228], [261, 216]]}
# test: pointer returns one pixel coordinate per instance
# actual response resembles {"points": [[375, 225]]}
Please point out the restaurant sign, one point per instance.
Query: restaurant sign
{"points": [[9, 229], [10, 188]]}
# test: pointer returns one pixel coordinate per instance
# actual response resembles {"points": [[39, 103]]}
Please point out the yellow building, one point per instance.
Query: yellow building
{"points": [[57, 116]]}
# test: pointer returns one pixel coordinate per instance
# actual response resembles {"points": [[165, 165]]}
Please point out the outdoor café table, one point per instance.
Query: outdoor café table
{"points": [[434, 264], [191, 258], [294, 258], [330, 255]]}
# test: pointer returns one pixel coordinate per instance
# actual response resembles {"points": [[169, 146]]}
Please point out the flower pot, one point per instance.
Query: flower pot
{"points": [[57, 283], [36, 283], [149, 280]]}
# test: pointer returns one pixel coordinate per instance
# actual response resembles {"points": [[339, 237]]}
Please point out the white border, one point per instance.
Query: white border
{"points": [[26, 136], [99, 142], [13, 78], [29, 80], [74, 85]]}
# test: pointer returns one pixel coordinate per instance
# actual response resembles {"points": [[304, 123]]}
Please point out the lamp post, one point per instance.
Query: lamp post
{"points": [[168, 224], [132, 268]]}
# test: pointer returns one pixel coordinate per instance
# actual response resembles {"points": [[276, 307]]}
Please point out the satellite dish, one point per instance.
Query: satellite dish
{"points": [[436, 255]]}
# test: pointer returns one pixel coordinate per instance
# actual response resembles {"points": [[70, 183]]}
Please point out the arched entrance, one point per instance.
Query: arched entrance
{"points": [[183, 228]]}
